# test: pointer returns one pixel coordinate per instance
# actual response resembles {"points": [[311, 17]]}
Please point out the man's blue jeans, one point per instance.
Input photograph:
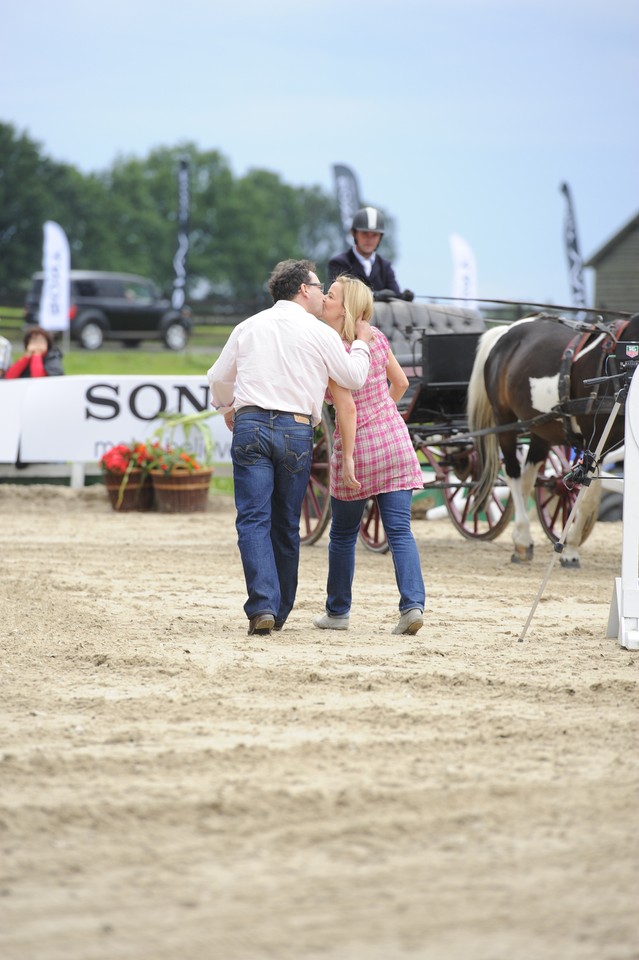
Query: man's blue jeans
{"points": [[346, 516], [272, 456]]}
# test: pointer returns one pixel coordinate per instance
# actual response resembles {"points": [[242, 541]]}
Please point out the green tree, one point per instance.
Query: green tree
{"points": [[23, 202], [34, 189], [125, 219]]}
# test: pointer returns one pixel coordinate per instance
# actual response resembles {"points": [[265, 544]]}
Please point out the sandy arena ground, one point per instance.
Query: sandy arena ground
{"points": [[172, 789]]}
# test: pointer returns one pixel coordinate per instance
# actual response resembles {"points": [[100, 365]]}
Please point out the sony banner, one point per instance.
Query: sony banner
{"points": [[464, 272], [347, 193], [78, 418], [56, 263], [179, 260], [575, 266]]}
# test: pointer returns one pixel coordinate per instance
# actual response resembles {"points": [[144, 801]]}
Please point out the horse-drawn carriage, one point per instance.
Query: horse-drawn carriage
{"points": [[436, 345]]}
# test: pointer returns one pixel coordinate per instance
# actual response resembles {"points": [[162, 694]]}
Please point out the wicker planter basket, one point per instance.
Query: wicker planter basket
{"points": [[137, 494], [181, 492]]}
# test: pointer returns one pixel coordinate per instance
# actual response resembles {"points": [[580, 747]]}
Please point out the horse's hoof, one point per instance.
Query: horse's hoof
{"points": [[570, 563], [522, 554]]}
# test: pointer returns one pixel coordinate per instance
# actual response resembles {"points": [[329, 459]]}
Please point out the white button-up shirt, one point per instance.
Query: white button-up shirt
{"points": [[281, 359], [366, 262]]}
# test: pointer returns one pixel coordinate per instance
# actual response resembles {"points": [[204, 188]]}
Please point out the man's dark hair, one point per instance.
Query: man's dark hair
{"points": [[287, 278]]}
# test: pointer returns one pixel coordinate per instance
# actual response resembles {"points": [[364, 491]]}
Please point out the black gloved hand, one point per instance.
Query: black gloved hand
{"points": [[385, 296], [408, 295]]}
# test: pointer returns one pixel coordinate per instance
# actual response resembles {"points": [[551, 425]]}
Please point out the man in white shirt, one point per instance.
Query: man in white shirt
{"points": [[5, 356], [269, 382]]}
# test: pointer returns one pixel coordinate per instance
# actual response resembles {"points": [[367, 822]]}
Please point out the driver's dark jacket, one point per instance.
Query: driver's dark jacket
{"points": [[382, 275]]}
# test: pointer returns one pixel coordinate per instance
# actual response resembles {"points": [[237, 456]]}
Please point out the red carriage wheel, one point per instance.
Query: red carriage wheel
{"points": [[371, 528], [553, 499], [316, 508], [456, 472]]}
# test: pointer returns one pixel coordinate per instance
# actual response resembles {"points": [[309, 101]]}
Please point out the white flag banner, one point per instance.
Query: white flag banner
{"points": [[464, 271], [56, 262]]}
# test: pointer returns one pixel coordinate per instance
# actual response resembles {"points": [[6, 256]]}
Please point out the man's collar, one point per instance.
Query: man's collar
{"points": [[364, 260]]}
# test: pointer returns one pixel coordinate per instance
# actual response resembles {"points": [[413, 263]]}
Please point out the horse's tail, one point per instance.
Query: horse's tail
{"points": [[482, 417]]}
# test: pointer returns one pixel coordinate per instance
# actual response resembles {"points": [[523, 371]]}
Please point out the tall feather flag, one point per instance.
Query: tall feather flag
{"points": [[179, 260], [347, 193], [575, 265], [56, 261], [464, 271]]}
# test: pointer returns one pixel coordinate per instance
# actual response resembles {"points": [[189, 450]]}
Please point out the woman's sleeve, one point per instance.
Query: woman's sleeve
{"points": [[17, 369], [37, 366]]}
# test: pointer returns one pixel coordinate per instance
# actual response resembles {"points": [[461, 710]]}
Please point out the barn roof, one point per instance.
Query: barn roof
{"points": [[610, 244]]}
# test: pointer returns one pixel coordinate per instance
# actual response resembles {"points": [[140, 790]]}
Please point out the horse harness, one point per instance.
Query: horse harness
{"points": [[567, 407], [572, 352]]}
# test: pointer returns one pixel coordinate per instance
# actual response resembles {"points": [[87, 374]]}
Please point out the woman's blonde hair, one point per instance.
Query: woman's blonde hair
{"points": [[358, 302]]}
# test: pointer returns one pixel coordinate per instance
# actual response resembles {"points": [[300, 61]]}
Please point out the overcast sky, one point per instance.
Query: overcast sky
{"points": [[458, 116]]}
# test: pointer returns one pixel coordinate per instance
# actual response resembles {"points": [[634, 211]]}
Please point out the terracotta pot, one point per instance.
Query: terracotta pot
{"points": [[181, 491], [137, 494]]}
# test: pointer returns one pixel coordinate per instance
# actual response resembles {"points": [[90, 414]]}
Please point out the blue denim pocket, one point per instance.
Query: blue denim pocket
{"points": [[298, 451], [245, 447]]}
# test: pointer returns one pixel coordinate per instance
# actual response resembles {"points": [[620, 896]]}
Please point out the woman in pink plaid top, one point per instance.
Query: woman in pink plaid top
{"points": [[373, 456]]}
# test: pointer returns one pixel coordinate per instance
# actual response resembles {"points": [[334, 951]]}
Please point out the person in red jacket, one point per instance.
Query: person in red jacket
{"points": [[41, 359]]}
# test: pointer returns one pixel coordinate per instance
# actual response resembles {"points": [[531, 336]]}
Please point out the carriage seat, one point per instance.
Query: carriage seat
{"points": [[406, 323]]}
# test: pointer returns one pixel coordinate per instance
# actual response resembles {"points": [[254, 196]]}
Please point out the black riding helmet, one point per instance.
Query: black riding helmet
{"points": [[368, 218]]}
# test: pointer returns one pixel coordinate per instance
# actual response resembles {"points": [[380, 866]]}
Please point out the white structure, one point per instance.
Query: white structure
{"points": [[623, 621]]}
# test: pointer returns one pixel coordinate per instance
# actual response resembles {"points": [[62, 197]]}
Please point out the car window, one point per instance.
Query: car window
{"points": [[84, 288], [138, 292], [110, 287]]}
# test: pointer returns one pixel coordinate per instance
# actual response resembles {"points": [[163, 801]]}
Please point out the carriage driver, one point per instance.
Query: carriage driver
{"points": [[363, 261]]}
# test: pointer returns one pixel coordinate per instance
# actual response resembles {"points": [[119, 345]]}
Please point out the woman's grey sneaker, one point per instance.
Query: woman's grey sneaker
{"points": [[410, 622], [326, 622]]}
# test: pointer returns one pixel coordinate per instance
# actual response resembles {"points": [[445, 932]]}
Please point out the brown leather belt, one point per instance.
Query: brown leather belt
{"points": [[290, 413]]}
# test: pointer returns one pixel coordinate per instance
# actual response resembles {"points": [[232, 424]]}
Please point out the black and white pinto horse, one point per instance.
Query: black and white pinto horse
{"points": [[531, 375]]}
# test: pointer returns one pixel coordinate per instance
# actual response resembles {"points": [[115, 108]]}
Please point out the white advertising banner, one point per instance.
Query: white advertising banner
{"points": [[11, 404], [464, 271], [78, 418], [56, 263]]}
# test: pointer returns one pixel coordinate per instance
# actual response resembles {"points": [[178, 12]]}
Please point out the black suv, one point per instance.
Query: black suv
{"points": [[116, 306]]}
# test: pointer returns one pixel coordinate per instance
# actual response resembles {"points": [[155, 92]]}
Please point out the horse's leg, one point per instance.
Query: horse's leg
{"points": [[522, 538], [522, 489], [586, 516]]}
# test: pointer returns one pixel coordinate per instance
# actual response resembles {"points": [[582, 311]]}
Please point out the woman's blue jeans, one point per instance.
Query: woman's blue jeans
{"points": [[346, 516], [272, 456]]}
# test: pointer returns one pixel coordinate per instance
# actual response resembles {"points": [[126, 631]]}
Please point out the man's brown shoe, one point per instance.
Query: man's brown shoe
{"points": [[262, 624]]}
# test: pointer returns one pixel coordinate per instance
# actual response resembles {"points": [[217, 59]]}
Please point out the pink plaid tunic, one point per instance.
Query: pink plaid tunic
{"points": [[384, 456]]}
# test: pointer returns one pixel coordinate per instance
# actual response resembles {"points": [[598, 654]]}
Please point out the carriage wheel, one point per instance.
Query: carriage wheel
{"points": [[316, 507], [371, 528], [553, 499], [457, 471]]}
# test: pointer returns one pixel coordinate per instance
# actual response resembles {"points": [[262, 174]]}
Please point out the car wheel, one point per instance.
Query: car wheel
{"points": [[91, 336], [611, 507], [176, 336]]}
